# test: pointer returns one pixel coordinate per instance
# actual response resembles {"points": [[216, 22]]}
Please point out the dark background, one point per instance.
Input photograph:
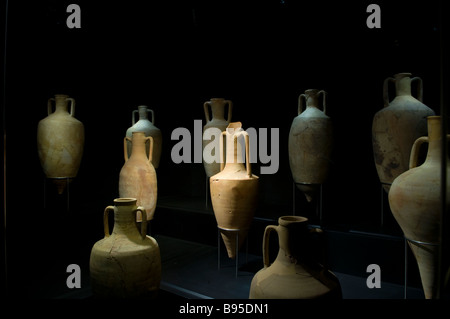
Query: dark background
{"points": [[174, 56]]}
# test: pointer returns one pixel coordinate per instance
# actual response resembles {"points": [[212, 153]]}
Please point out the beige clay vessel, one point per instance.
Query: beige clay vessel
{"points": [[137, 178], [415, 202], [60, 141], [234, 190], [218, 121], [293, 274], [127, 262]]}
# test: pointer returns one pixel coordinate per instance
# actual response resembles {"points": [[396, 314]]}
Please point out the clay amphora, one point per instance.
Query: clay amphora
{"points": [[310, 144], [415, 202], [127, 262], [149, 128], [234, 190], [397, 126], [218, 121], [293, 274], [137, 178], [60, 141]]}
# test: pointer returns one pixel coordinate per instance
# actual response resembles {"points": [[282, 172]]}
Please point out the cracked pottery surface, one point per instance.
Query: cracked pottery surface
{"points": [[127, 262], [293, 275], [396, 127]]}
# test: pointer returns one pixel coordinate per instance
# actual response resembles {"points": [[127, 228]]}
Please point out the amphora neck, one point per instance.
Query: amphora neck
{"points": [[125, 217], [218, 108], [434, 153], [138, 141], [143, 112], [403, 84], [61, 103], [292, 233], [312, 98], [235, 146]]}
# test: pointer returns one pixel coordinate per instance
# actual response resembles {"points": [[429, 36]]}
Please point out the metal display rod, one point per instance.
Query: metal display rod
{"points": [[236, 231]]}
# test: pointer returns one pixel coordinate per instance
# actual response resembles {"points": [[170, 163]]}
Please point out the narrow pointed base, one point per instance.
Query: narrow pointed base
{"points": [[386, 187], [61, 184], [427, 261], [309, 190], [230, 240]]}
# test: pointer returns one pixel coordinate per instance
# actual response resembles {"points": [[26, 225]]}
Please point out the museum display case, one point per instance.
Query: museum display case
{"points": [[311, 83]]}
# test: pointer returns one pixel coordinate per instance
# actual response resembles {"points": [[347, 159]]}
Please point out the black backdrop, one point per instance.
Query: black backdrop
{"points": [[175, 56]]}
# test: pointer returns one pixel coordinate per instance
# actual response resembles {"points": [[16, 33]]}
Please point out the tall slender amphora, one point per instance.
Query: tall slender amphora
{"points": [[234, 190], [397, 126], [60, 141], [137, 178], [149, 128], [416, 203], [293, 274], [127, 262], [216, 123], [310, 143]]}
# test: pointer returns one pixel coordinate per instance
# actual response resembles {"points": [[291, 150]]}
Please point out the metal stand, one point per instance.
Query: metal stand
{"points": [[293, 198], [382, 207], [49, 180], [236, 231], [207, 191], [406, 269], [383, 192], [68, 193], [414, 242], [319, 209], [45, 193], [383, 195], [319, 206]]}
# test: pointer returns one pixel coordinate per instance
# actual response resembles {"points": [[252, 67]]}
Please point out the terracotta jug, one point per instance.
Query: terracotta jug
{"points": [[137, 178], [60, 141], [397, 126], [149, 128], [218, 121], [415, 202], [293, 274], [127, 262], [310, 144], [234, 190]]}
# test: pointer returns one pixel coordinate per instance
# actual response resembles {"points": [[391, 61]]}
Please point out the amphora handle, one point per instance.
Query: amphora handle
{"points": [[71, 106], [266, 238], [125, 148], [414, 157], [144, 220], [105, 220], [150, 149], [304, 97], [390, 79], [207, 105], [247, 151], [143, 224], [133, 117]]}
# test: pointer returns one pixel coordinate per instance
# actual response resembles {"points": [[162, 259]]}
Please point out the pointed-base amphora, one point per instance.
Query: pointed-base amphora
{"points": [[234, 190], [415, 202]]}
